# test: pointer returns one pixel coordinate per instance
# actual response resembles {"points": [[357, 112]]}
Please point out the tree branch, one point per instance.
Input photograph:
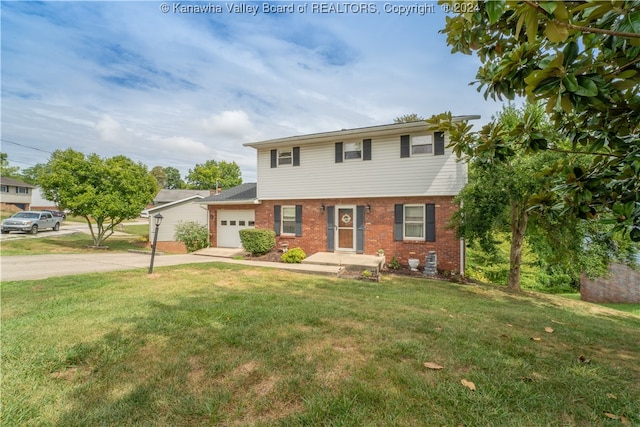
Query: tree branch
{"points": [[582, 28]]}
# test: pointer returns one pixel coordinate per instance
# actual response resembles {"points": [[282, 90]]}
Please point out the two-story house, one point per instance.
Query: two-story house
{"points": [[15, 194], [387, 187]]}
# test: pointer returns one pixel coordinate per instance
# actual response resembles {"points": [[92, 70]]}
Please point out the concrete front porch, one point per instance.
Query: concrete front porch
{"points": [[347, 260]]}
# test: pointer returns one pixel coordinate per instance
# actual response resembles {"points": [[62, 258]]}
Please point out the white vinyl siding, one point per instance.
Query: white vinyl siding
{"points": [[173, 215], [386, 175]]}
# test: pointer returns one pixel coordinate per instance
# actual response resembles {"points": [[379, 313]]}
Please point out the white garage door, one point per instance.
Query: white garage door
{"points": [[229, 225]]}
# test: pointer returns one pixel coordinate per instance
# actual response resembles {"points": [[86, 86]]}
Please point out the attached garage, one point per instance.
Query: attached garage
{"points": [[229, 224]]}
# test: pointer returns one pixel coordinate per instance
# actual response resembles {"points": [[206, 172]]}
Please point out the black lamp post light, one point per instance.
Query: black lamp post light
{"points": [[158, 220]]}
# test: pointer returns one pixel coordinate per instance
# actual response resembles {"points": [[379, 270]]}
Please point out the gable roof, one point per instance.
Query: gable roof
{"points": [[14, 182], [365, 132], [193, 198], [169, 196], [243, 193]]}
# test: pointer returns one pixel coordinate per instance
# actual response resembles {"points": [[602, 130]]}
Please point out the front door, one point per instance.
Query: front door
{"points": [[345, 229]]}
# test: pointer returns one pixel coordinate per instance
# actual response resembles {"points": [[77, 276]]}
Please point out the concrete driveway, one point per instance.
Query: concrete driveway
{"points": [[33, 267]]}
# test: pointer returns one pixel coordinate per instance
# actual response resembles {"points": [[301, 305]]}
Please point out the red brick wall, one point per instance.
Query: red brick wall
{"points": [[378, 231], [622, 285]]}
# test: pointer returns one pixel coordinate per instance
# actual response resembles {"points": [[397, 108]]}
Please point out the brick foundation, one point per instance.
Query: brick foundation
{"points": [[622, 285]]}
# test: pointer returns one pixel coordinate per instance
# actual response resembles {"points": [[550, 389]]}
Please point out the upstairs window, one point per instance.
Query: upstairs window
{"points": [[285, 157], [22, 190], [422, 145], [352, 150], [5, 189]]}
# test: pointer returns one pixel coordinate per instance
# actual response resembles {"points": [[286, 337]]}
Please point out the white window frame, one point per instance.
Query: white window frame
{"points": [[283, 158], [422, 222], [352, 151], [22, 190], [5, 189], [289, 219], [422, 145]]}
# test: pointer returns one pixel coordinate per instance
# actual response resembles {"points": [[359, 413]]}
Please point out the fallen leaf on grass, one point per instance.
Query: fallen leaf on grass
{"points": [[535, 339], [559, 323], [610, 415], [624, 420], [548, 329], [468, 384], [584, 360], [611, 396], [434, 366]]}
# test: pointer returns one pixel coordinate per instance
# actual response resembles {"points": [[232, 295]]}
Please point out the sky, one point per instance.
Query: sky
{"points": [[172, 84]]}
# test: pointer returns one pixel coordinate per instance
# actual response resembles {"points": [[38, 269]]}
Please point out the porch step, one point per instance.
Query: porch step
{"points": [[348, 261]]}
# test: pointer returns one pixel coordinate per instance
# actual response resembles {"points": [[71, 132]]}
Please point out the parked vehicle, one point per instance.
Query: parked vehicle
{"points": [[58, 214], [31, 222]]}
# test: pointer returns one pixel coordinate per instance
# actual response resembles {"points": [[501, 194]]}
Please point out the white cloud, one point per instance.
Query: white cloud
{"points": [[234, 124]]}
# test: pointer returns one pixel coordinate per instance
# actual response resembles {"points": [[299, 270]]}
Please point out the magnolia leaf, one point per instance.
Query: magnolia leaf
{"points": [[532, 25], [556, 33], [583, 359], [624, 420], [610, 415], [535, 339], [548, 329], [468, 384], [494, 10], [434, 366]]}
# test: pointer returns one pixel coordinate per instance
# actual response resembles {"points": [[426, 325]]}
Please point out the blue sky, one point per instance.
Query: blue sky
{"points": [[181, 87]]}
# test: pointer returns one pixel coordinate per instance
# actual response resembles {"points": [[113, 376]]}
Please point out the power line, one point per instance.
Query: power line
{"points": [[25, 146]]}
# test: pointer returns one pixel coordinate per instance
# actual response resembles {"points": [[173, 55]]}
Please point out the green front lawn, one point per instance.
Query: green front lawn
{"points": [[68, 244], [227, 345]]}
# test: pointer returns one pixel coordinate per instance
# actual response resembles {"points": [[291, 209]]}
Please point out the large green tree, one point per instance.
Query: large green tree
{"points": [[208, 175], [6, 169], [105, 191], [505, 185], [582, 60], [174, 180]]}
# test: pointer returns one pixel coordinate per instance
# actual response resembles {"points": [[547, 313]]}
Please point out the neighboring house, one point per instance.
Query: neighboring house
{"points": [[173, 213], [14, 194], [165, 196], [387, 187], [39, 203]]}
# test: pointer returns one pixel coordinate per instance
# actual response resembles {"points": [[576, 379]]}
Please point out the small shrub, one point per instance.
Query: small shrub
{"points": [[366, 274], [194, 235], [257, 241], [394, 264], [293, 256]]}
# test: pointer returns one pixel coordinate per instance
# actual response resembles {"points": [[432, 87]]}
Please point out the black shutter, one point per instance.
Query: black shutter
{"points": [[360, 229], [438, 139], [274, 158], [430, 234], [366, 149], [398, 219], [276, 219], [296, 156], [331, 232], [405, 146], [298, 220], [339, 152]]}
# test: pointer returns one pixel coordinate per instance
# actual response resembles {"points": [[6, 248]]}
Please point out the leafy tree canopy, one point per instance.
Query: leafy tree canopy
{"points": [[103, 191], [174, 181], [6, 169], [210, 174], [582, 60]]}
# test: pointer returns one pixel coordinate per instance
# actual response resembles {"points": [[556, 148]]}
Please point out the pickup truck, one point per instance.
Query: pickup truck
{"points": [[31, 222]]}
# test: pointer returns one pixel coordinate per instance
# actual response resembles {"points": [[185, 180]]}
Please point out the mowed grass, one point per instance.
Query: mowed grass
{"points": [[224, 345], [73, 243]]}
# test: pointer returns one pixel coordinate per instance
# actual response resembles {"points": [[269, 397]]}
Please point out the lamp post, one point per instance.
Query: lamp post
{"points": [[158, 220]]}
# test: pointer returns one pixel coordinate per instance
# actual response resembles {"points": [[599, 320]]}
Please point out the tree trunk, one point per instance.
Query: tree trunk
{"points": [[519, 219]]}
